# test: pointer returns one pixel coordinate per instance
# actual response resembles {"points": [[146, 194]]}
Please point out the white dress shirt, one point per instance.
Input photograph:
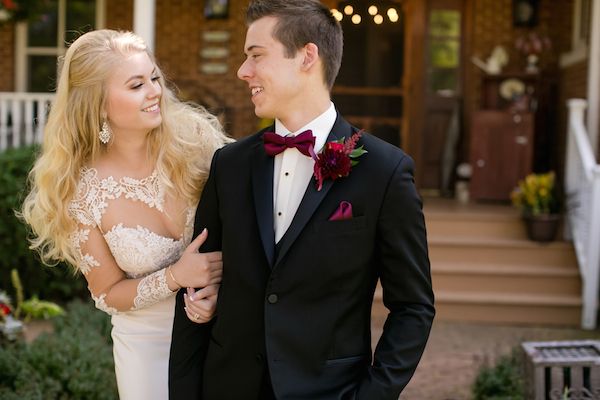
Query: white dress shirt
{"points": [[293, 170]]}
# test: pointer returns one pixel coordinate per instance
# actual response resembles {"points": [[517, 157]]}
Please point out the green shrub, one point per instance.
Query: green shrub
{"points": [[56, 283], [74, 362], [502, 381]]}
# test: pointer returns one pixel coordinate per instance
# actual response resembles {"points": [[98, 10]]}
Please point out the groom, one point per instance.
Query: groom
{"points": [[302, 254]]}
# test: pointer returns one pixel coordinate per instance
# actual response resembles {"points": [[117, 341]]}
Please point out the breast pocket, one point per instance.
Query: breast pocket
{"points": [[344, 226]]}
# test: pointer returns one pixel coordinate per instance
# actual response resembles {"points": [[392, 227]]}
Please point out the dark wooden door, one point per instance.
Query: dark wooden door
{"points": [[501, 152], [443, 92]]}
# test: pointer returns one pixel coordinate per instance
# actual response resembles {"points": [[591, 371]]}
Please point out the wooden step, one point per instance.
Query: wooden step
{"points": [[476, 250], [509, 308], [482, 225], [517, 279], [485, 269]]}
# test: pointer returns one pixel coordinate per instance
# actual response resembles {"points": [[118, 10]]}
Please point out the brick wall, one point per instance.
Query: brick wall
{"points": [[119, 14], [180, 26], [7, 57]]}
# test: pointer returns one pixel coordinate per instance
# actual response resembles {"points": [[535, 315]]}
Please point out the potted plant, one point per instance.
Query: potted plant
{"points": [[537, 199]]}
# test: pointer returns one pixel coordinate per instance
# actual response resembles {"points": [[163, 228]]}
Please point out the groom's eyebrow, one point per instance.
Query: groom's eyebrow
{"points": [[253, 47]]}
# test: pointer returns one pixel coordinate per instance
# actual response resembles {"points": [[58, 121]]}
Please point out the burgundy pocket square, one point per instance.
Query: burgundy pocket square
{"points": [[344, 211]]}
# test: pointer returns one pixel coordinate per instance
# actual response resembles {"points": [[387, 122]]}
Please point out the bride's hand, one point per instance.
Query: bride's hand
{"points": [[195, 269], [200, 306]]}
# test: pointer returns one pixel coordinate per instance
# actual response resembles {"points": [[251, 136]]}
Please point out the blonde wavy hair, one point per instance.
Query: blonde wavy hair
{"points": [[182, 145]]}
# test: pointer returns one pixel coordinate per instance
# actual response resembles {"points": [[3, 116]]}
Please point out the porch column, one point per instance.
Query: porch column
{"points": [[143, 20], [593, 90]]}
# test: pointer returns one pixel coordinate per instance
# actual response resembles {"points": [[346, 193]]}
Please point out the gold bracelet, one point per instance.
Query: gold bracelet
{"points": [[173, 276]]}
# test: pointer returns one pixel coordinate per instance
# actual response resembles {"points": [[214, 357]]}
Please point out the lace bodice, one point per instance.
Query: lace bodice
{"points": [[137, 250]]}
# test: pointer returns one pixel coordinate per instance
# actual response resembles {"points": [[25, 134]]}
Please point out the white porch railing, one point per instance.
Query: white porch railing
{"points": [[22, 118], [582, 186]]}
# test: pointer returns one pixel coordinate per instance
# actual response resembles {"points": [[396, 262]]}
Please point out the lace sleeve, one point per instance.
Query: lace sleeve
{"points": [[87, 240], [152, 289]]}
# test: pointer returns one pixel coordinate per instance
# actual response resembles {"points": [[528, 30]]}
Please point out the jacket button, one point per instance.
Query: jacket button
{"points": [[272, 298]]}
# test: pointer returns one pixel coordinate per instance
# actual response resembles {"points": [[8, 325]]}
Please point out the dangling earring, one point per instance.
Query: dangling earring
{"points": [[105, 133]]}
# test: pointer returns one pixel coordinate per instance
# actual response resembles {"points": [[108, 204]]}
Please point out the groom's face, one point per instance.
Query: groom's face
{"points": [[274, 80]]}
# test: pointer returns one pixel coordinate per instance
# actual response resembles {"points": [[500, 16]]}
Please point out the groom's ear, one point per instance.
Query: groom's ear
{"points": [[311, 56]]}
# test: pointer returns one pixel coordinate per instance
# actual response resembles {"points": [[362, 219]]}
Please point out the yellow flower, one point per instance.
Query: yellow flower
{"points": [[535, 194]]}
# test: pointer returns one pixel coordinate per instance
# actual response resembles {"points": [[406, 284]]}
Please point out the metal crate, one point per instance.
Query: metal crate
{"points": [[555, 368]]}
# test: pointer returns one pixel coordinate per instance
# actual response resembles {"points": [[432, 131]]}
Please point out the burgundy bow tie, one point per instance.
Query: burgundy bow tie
{"points": [[275, 144]]}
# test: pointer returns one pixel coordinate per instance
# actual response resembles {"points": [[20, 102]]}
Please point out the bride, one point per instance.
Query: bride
{"points": [[113, 193]]}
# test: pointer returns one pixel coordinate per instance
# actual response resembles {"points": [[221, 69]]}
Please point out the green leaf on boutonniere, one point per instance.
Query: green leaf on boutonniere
{"points": [[358, 152]]}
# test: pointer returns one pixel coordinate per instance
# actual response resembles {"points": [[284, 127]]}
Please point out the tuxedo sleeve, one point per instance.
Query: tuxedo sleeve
{"points": [[189, 342], [405, 277]]}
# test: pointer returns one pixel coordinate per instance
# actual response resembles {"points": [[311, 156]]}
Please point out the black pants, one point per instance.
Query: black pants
{"points": [[266, 388]]}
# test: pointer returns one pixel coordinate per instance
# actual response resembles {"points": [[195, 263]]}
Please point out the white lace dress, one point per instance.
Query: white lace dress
{"points": [[142, 335]]}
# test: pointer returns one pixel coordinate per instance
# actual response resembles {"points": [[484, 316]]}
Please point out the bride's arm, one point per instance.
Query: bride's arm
{"points": [[114, 292]]}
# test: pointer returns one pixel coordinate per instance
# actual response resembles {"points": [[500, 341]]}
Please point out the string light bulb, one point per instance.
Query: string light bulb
{"points": [[348, 10], [356, 19], [373, 10], [378, 19], [337, 14]]}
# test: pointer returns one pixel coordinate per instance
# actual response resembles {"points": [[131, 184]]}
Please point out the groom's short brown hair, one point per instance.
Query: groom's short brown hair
{"points": [[300, 22]]}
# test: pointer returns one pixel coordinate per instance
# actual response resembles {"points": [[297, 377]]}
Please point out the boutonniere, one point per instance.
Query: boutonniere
{"points": [[336, 159]]}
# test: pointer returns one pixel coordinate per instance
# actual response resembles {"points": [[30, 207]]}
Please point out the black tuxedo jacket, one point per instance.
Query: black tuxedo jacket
{"points": [[301, 310]]}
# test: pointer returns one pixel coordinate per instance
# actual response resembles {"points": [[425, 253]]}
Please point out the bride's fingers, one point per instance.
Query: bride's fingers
{"points": [[196, 317], [213, 256], [197, 313], [197, 242], [208, 291]]}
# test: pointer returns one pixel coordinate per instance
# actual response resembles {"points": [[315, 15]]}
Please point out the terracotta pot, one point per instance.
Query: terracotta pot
{"points": [[543, 227]]}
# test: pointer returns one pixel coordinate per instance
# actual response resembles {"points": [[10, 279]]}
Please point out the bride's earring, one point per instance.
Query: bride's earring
{"points": [[105, 133]]}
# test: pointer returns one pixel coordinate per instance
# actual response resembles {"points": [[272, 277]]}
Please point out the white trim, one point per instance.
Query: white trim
{"points": [[593, 94], [144, 20], [62, 23], [43, 51], [579, 47], [100, 14], [576, 32], [573, 57], [20, 57]]}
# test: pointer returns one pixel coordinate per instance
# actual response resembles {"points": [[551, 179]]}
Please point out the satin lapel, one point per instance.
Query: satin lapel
{"points": [[262, 188], [312, 198]]}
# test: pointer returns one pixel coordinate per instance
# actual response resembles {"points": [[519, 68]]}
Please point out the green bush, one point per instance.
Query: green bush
{"points": [[74, 362], [503, 381], [48, 283]]}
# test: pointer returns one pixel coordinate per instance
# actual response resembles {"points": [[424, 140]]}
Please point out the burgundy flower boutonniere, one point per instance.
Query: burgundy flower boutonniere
{"points": [[337, 159]]}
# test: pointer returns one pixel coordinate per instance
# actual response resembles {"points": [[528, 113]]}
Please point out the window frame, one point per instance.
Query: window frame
{"points": [[579, 38], [23, 51]]}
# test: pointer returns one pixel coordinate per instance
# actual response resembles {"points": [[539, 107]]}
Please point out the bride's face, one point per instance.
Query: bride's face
{"points": [[133, 96]]}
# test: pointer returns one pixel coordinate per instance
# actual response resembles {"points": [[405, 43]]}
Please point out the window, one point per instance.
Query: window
{"points": [[444, 51], [40, 42]]}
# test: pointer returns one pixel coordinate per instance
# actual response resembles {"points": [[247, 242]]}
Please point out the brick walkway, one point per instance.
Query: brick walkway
{"points": [[456, 351]]}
